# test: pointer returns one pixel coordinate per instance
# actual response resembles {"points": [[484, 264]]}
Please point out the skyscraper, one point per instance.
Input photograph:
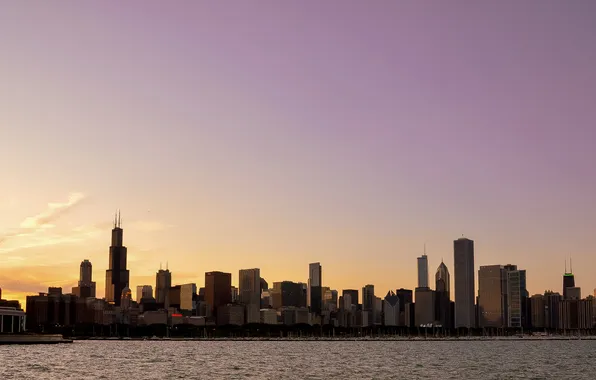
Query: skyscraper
{"points": [[249, 281], [315, 283], [218, 290], [116, 275], [144, 292], [163, 283], [568, 280], [492, 290], [442, 296], [368, 297], [423, 271], [353, 295], [463, 258], [86, 287], [516, 298]]}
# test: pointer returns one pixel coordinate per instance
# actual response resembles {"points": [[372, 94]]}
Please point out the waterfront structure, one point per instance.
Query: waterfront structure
{"points": [[268, 316], [423, 271], [117, 275], [218, 290], [249, 281], [163, 283], [492, 294], [144, 292], [86, 287], [442, 296], [516, 298], [463, 258], [315, 281], [12, 320]]}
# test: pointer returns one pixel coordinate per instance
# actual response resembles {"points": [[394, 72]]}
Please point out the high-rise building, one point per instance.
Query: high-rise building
{"points": [[442, 296], [288, 294], [391, 309], [353, 295], [144, 292], [315, 282], [423, 271], [249, 281], [163, 283], [492, 290], [218, 290], [368, 296], [463, 255], [424, 312], [86, 287], [116, 275], [516, 298], [538, 311], [568, 279], [551, 312], [188, 297]]}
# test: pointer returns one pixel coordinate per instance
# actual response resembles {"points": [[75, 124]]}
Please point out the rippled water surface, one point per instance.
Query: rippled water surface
{"points": [[301, 360]]}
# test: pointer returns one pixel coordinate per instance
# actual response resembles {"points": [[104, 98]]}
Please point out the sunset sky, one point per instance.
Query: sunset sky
{"points": [[271, 134]]}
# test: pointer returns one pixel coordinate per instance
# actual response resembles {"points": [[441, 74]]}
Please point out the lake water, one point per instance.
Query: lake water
{"points": [[301, 360]]}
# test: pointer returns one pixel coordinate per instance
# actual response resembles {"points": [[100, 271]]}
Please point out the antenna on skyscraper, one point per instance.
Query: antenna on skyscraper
{"points": [[119, 220], [424, 248], [115, 219], [570, 266]]}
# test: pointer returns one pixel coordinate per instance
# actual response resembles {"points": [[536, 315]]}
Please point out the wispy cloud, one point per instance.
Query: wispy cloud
{"points": [[53, 212], [38, 230]]}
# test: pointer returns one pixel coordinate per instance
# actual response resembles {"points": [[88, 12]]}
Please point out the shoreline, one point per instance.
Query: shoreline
{"points": [[33, 339], [368, 339]]}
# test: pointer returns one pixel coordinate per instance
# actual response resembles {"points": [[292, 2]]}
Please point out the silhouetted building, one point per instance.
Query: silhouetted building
{"points": [[568, 281], [315, 283], [492, 295], [551, 313], [249, 281], [442, 296], [538, 311], [463, 257], [188, 297], [353, 295], [218, 290], [423, 271], [117, 275], [391, 309], [163, 283], [144, 292], [574, 293], [516, 298], [368, 296], [425, 307], [406, 296], [287, 294], [264, 284], [86, 287]]}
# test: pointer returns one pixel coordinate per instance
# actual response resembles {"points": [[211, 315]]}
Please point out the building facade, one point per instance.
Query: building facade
{"points": [[218, 290], [315, 283], [463, 272], [117, 276]]}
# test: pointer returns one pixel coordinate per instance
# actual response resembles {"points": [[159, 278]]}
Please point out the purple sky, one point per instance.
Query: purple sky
{"points": [[275, 133]]}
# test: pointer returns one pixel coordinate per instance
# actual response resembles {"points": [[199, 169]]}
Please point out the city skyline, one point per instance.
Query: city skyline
{"points": [[231, 141]]}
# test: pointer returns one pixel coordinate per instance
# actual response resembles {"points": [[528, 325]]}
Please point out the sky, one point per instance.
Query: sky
{"points": [[273, 134]]}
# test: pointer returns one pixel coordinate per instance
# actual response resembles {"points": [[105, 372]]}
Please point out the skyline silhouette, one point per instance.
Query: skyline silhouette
{"points": [[275, 134]]}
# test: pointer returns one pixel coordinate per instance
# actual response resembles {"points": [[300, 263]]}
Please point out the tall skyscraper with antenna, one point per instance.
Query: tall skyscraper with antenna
{"points": [[117, 275], [568, 279]]}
